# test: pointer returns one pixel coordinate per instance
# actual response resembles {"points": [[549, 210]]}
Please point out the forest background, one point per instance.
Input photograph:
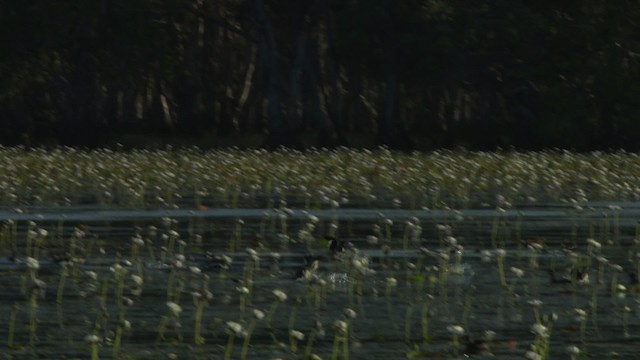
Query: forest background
{"points": [[411, 75]]}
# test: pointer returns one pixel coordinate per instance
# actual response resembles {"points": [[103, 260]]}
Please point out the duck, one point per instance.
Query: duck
{"points": [[336, 246], [479, 346], [309, 269], [476, 346], [581, 277]]}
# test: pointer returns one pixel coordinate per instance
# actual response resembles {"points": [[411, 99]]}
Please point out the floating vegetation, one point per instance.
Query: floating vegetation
{"points": [[318, 255], [189, 178]]}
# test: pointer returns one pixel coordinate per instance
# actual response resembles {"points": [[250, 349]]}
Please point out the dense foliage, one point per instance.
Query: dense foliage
{"points": [[416, 74]]}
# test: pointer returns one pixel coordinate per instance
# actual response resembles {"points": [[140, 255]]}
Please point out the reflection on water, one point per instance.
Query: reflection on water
{"points": [[411, 277]]}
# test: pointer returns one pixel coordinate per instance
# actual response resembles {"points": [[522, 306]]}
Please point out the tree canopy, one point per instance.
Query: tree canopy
{"points": [[415, 74]]}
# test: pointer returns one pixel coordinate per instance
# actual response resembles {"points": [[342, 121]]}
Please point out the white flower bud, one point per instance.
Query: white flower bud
{"points": [[296, 335], [258, 314], [174, 308], [32, 263], [280, 295], [456, 330]]}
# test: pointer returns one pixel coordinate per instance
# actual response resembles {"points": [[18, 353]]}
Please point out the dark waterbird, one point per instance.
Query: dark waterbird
{"points": [[476, 347], [336, 247], [479, 346], [581, 276], [634, 282], [308, 270]]}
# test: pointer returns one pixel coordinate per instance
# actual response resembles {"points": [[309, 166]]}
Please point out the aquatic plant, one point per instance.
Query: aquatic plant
{"points": [[317, 331], [172, 318], [456, 332], [123, 325], [581, 316], [94, 343], [573, 351], [257, 315], [201, 298], [401, 258], [235, 330], [294, 337], [280, 297], [341, 336], [500, 255]]}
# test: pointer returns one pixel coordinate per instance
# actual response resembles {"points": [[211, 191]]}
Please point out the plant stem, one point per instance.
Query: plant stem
{"points": [[229, 350], [247, 339]]}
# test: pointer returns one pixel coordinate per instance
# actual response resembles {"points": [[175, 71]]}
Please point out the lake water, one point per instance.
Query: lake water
{"points": [[445, 284]]}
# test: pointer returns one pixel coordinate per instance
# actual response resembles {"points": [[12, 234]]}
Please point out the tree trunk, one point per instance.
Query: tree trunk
{"points": [[391, 130], [294, 109], [279, 131]]}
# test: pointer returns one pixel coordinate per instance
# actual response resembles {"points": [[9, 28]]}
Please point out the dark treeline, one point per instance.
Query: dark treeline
{"points": [[411, 74]]}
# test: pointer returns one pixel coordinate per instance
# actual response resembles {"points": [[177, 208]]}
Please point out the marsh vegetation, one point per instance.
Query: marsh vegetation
{"points": [[225, 254]]}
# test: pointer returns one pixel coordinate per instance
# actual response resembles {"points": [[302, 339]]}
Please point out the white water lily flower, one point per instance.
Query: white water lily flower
{"points": [[451, 241], [455, 330], [137, 240], [350, 313], [91, 275], [253, 254], [296, 335], [32, 263], [236, 328], [485, 255], [535, 302], [258, 314], [392, 282], [573, 350], [530, 355], [540, 330], [226, 260], [517, 271], [602, 260], [174, 308], [616, 267], [92, 339], [341, 326], [137, 279], [40, 284], [127, 301], [594, 243], [280, 295], [115, 268], [489, 335], [357, 263]]}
